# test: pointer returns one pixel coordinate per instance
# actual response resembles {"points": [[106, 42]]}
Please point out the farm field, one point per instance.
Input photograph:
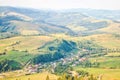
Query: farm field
{"points": [[107, 74], [36, 76], [23, 43], [107, 62]]}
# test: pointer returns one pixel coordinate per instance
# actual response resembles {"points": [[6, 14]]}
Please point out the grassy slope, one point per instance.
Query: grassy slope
{"points": [[26, 28], [105, 40], [108, 74], [40, 76], [112, 28], [107, 62], [21, 57], [29, 43], [33, 42]]}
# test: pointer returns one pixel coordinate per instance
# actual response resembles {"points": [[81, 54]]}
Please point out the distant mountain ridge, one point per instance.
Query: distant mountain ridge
{"points": [[23, 21]]}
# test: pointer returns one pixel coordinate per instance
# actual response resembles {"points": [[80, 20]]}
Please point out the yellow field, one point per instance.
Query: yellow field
{"points": [[76, 28], [107, 74], [113, 54], [36, 76], [112, 28], [105, 40], [29, 43], [29, 32]]}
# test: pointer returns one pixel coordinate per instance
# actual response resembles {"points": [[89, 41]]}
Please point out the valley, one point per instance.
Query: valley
{"points": [[59, 45]]}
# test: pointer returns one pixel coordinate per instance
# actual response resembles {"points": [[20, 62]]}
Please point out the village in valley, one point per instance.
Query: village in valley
{"points": [[72, 60]]}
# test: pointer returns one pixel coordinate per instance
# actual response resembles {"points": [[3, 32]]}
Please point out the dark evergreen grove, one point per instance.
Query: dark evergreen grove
{"points": [[46, 58], [8, 65]]}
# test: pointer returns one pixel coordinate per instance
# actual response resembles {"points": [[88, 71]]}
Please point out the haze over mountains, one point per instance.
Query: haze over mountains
{"points": [[23, 21], [57, 42]]}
